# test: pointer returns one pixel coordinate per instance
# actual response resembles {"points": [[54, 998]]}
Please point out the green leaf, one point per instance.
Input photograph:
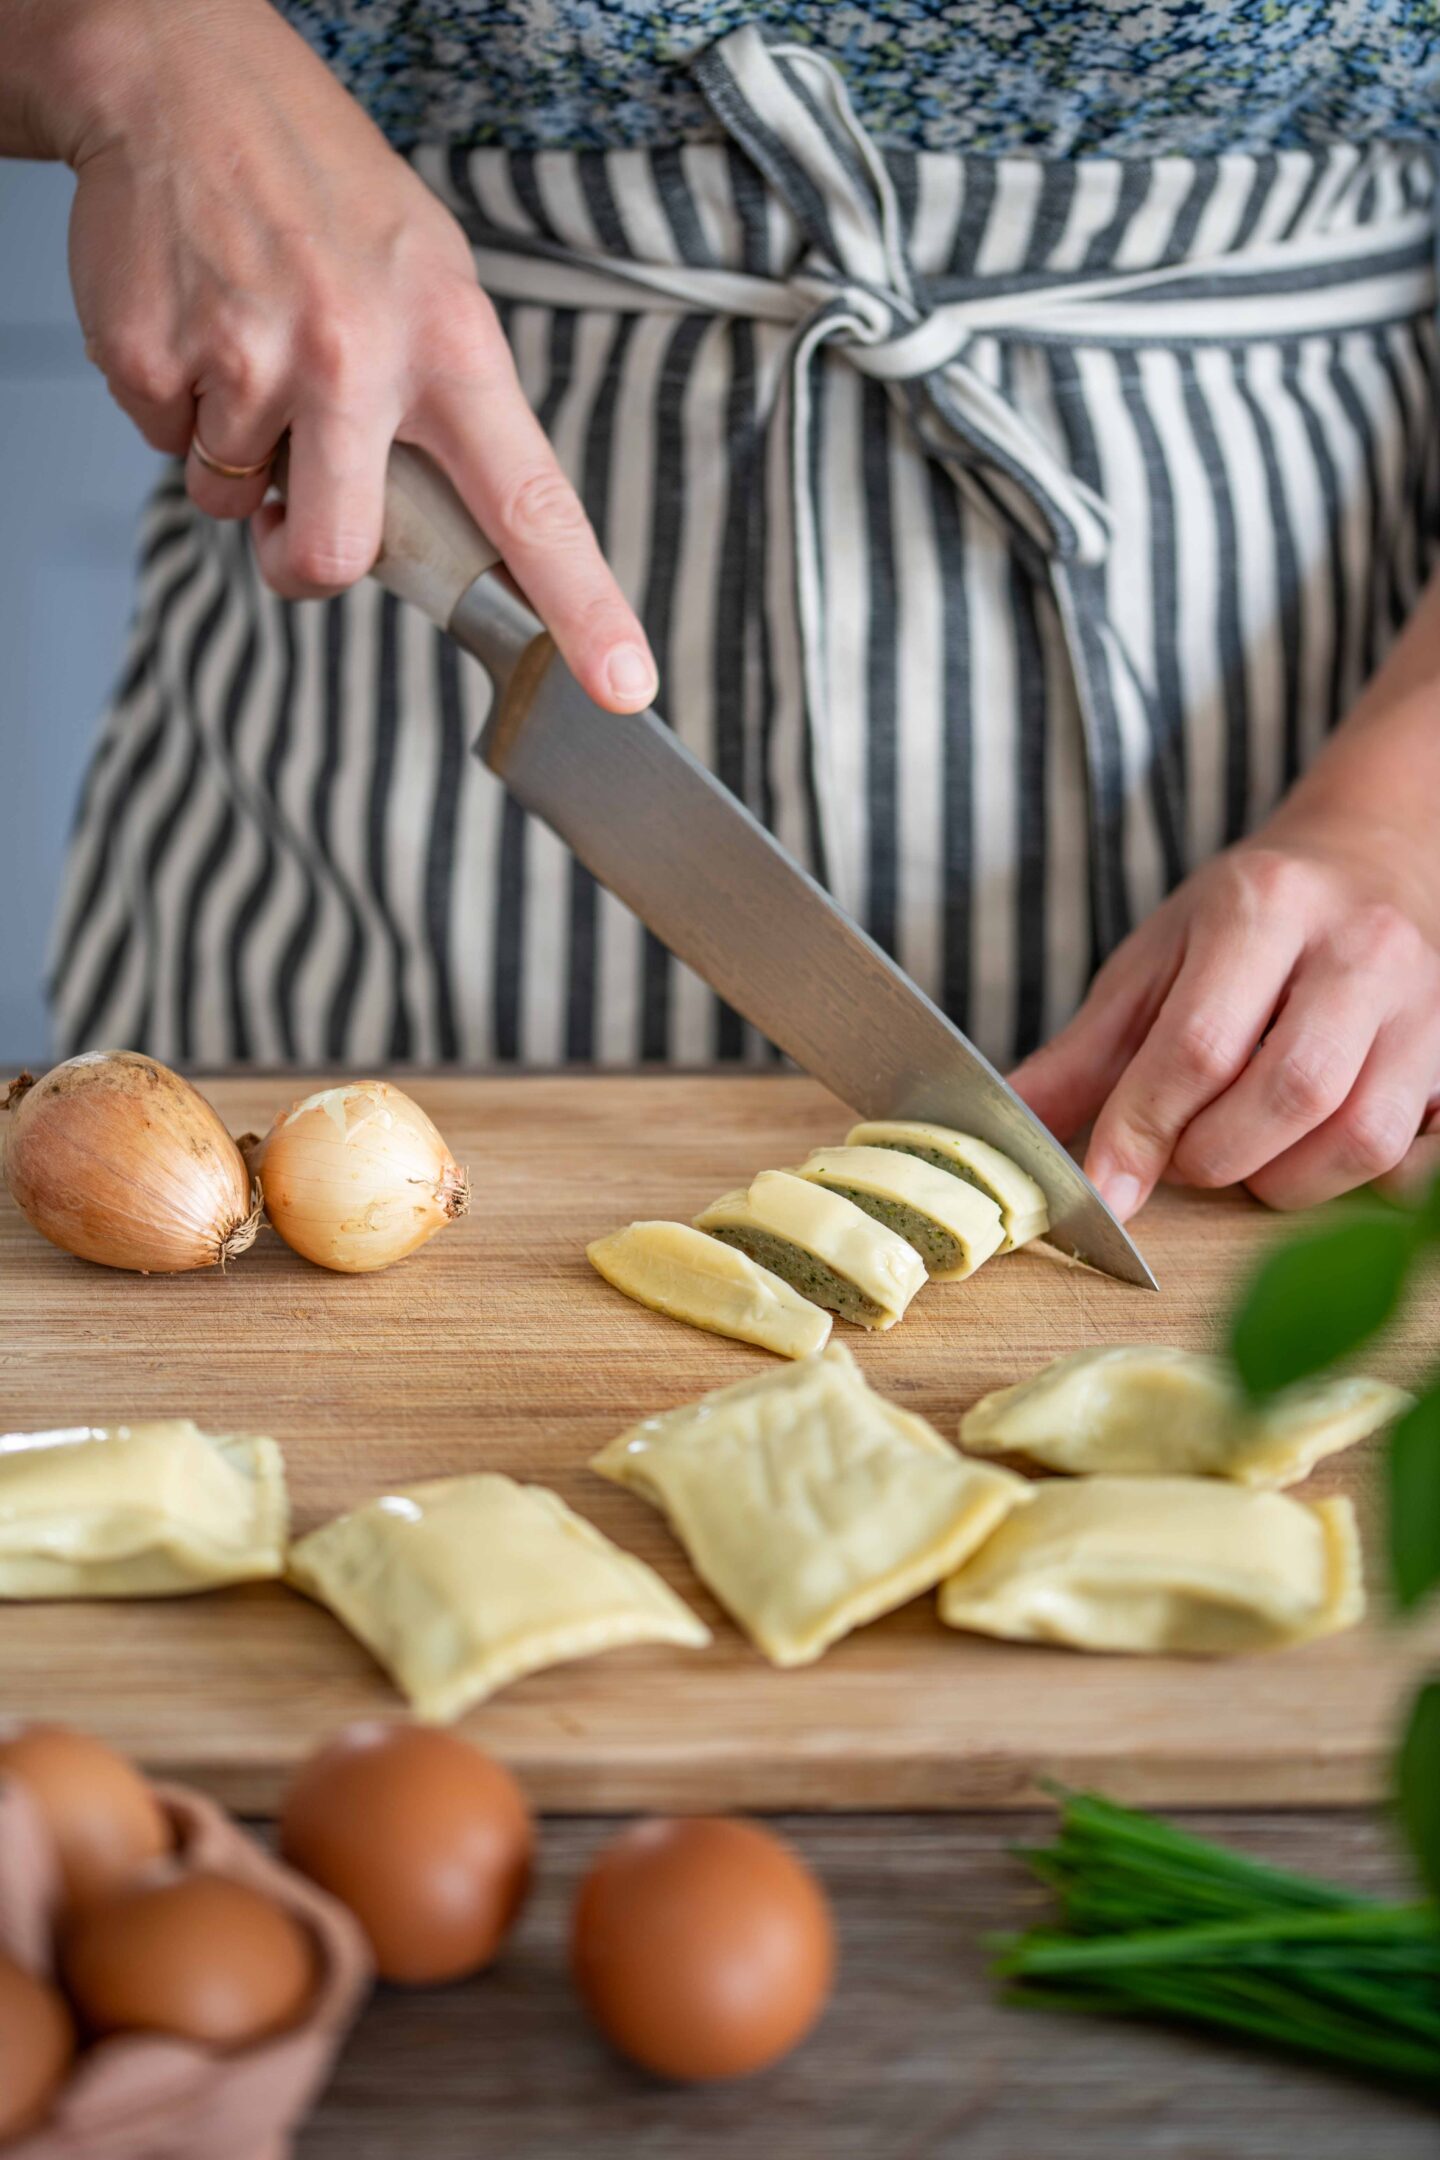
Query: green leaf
{"points": [[1317, 1298], [1419, 1783], [1413, 1465]]}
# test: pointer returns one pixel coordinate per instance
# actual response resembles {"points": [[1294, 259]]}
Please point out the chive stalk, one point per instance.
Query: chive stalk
{"points": [[1159, 1923]]}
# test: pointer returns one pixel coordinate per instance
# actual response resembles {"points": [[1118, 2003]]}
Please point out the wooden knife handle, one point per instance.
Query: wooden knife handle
{"points": [[431, 550]]}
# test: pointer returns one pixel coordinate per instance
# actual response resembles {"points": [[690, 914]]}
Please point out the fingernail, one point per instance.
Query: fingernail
{"points": [[1121, 1193], [630, 672]]}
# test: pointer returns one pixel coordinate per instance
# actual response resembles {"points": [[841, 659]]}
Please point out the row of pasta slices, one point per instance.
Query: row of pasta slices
{"points": [[854, 1231]]}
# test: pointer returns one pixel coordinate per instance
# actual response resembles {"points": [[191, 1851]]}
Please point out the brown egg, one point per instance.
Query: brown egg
{"points": [[703, 1948], [37, 2040], [104, 1818], [200, 1956], [426, 1839]]}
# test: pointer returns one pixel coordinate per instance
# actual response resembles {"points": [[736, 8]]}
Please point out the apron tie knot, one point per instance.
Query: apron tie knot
{"points": [[789, 110]]}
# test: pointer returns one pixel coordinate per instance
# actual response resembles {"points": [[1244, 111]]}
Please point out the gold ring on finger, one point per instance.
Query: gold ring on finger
{"points": [[221, 470]]}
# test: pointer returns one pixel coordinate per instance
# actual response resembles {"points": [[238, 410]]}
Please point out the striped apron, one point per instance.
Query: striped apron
{"points": [[1010, 534]]}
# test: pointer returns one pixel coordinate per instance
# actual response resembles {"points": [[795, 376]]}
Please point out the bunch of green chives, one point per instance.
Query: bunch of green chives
{"points": [[1161, 1924]]}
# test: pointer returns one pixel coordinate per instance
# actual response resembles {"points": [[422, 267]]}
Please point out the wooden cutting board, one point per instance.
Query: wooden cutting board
{"points": [[497, 1347]]}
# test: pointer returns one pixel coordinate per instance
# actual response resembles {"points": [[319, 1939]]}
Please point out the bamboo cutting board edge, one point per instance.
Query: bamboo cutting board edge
{"points": [[498, 1347]]}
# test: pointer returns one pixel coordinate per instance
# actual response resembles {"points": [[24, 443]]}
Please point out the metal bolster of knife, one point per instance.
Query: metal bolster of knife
{"points": [[434, 555]]}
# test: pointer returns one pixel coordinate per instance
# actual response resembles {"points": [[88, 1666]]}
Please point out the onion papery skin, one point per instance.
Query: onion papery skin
{"points": [[118, 1160], [357, 1177]]}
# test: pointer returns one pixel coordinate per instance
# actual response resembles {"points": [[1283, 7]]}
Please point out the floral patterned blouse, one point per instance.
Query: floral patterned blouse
{"points": [[1061, 78]]}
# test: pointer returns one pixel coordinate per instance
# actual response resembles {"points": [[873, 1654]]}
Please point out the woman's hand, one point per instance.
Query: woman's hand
{"points": [[1276, 1023], [249, 256]]}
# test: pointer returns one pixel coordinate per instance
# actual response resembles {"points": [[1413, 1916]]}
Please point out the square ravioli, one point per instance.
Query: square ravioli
{"points": [[152, 1509], [459, 1586], [1144, 1410], [808, 1503], [1182, 1567]]}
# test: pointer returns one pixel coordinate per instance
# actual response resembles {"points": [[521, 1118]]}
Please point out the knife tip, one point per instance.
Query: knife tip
{"points": [[1123, 1262]]}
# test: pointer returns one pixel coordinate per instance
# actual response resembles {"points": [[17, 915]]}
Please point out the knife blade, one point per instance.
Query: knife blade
{"points": [[677, 847]]}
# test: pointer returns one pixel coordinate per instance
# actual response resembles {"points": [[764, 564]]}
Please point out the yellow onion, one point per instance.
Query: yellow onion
{"points": [[357, 1177], [117, 1159]]}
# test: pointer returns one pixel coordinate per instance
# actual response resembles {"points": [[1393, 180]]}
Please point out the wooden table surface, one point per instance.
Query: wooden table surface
{"points": [[915, 2060]]}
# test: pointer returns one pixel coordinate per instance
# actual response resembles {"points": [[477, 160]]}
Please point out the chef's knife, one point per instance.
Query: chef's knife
{"points": [[678, 848]]}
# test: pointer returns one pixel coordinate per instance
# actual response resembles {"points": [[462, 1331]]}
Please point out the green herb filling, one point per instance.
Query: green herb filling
{"points": [[937, 1161], [936, 1246], [807, 1274]]}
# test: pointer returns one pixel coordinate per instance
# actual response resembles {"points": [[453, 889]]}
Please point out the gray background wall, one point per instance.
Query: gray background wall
{"points": [[74, 473]]}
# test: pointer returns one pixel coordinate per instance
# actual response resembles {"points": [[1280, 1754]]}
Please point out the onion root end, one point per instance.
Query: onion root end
{"points": [[241, 1235]]}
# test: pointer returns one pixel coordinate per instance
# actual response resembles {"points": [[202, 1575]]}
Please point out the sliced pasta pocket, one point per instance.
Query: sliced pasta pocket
{"points": [[680, 1271], [461, 1585], [824, 1246], [1142, 1410], [1024, 1211], [808, 1503], [153, 1509], [1180, 1566], [953, 1226]]}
